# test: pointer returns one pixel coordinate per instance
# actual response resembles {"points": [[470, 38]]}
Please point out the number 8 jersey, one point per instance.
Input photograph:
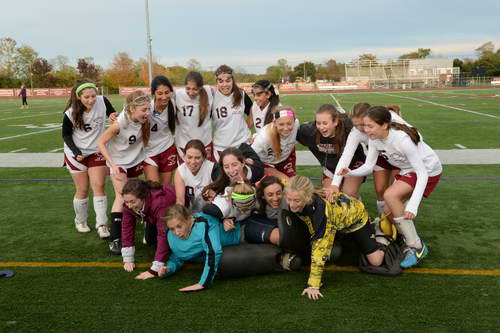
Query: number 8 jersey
{"points": [[230, 126], [188, 116]]}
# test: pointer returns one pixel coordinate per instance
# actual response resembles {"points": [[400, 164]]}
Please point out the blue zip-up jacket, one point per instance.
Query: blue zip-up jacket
{"points": [[206, 241]]}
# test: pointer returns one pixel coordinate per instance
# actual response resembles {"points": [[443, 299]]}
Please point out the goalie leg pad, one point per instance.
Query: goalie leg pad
{"points": [[294, 236]]}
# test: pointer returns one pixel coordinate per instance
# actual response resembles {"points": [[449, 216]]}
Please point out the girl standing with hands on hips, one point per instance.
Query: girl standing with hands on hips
{"points": [[231, 105], [420, 170], [83, 123], [122, 144], [194, 103], [161, 153]]}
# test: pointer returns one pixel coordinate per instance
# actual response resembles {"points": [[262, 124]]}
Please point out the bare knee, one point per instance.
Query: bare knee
{"points": [[376, 258]]}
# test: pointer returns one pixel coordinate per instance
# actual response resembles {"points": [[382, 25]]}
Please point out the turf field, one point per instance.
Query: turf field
{"points": [[66, 281]]}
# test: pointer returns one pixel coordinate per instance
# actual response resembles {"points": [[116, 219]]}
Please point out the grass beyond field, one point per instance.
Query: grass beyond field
{"points": [[446, 118], [459, 222]]}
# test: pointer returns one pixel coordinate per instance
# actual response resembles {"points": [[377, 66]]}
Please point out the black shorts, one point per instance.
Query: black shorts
{"points": [[258, 229], [365, 238]]}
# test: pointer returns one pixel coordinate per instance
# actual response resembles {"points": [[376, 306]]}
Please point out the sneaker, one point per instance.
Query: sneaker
{"points": [[103, 231], [82, 227], [290, 262], [115, 247], [413, 256]]}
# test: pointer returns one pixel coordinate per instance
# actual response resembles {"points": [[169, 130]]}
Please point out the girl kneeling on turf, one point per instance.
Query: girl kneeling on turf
{"points": [[323, 219], [147, 201], [83, 124], [196, 237], [275, 144], [122, 145], [420, 170]]}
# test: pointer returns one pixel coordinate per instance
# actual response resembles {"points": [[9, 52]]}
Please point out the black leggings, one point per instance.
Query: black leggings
{"points": [[25, 101], [365, 238]]}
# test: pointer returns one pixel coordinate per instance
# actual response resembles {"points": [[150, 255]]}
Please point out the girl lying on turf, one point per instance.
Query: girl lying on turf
{"points": [[323, 219], [192, 237]]}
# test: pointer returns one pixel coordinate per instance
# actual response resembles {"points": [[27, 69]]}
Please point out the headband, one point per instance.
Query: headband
{"points": [[138, 101], [84, 86], [265, 88], [237, 196], [284, 113]]}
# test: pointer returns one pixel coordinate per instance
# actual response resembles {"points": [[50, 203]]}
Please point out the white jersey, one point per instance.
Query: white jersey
{"points": [[160, 138], [126, 149], [258, 116], [355, 138], [400, 151], [188, 115], [230, 126], [263, 147], [194, 184], [227, 208], [93, 126]]}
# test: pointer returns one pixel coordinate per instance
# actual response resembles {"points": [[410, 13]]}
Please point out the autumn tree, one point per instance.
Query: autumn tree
{"points": [[88, 70], [41, 70], [419, 54]]}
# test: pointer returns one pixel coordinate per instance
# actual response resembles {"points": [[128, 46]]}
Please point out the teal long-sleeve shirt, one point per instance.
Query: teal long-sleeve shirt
{"points": [[206, 241]]}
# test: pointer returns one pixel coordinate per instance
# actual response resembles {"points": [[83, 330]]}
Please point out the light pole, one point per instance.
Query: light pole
{"points": [[148, 39]]}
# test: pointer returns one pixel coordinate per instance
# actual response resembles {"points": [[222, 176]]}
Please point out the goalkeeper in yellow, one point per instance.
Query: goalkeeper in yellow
{"points": [[324, 219]]}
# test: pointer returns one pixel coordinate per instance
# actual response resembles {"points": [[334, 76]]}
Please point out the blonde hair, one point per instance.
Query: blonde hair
{"points": [[178, 212], [302, 185], [243, 188], [129, 101], [272, 131]]}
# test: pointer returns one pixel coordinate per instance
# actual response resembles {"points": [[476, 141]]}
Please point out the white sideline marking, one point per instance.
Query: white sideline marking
{"points": [[460, 146], [341, 109], [18, 150], [55, 150], [16, 136], [438, 104], [33, 115]]}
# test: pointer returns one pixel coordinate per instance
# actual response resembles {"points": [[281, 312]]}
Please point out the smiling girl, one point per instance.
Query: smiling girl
{"points": [[148, 202], [420, 170], [265, 100], [161, 153], [122, 146], [193, 103], [193, 176], [230, 106], [275, 144], [83, 123]]}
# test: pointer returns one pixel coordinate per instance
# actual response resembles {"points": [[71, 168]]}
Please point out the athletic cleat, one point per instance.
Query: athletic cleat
{"points": [[290, 262], [82, 227], [115, 246], [413, 256], [103, 231]]}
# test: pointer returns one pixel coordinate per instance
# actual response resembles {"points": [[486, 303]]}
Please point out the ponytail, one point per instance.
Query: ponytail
{"points": [[411, 131]]}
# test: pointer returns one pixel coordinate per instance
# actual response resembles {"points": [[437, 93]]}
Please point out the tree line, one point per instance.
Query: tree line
{"points": [[23, 65]]}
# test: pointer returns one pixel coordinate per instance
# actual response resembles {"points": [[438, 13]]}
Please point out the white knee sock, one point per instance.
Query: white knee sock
{"points": [[380, 206], [100, 208], [407, 229], [81, 210]]}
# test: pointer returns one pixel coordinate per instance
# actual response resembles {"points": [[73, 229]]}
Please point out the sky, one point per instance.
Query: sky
{"points": [[250, 35]]}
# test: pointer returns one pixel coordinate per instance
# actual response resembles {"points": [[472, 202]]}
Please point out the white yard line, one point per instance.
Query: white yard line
{"points": [[460, 146], [30, 116], [439, 104], [18, 150], [55, 150], [341, 109], [19, 135]]}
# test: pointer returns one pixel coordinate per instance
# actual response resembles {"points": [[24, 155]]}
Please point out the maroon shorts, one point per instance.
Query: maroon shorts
{"points": [[288, 166], [382, 162], [165, 161], [91, 161], [132, 172], [411, 179]]}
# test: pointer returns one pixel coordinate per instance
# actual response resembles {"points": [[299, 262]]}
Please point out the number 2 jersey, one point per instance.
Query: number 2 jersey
{"points": [[126, 148], [83, 141], [230, 126], [188, 116]]}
